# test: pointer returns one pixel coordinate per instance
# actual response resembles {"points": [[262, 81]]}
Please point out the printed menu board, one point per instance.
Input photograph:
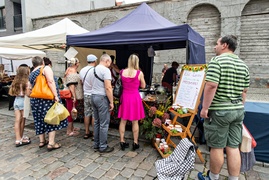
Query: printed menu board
{"points": [[189, 88]]}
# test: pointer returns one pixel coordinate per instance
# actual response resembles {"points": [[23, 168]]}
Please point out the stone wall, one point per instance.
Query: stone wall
{"points": [[211, 18]]}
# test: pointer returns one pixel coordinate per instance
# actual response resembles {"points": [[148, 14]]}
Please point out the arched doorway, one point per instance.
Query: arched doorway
{"points": [[205, 19]]}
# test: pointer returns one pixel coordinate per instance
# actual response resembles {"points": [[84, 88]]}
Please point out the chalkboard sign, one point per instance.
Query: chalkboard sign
{"points": [[190, 86]]}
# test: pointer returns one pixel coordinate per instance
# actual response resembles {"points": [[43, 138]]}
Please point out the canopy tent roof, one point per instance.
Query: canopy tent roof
{"points": [[139, 30], [45, 38], [18, 54]]}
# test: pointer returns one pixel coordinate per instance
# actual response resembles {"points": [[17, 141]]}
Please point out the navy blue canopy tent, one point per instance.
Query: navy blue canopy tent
{"points": [[139, 30]]}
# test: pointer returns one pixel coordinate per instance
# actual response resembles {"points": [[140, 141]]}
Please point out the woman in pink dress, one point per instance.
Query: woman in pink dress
{"points": [[131, 107]]}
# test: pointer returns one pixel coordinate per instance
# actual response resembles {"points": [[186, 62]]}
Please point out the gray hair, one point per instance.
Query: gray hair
{"points": [[104, 57], [37, 61]]}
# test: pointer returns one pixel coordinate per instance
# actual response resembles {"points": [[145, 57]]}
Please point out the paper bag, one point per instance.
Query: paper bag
{"points": [[246, 140]]}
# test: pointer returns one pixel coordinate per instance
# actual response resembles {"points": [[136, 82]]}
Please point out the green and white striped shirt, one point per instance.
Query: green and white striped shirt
{"points": [[232, 76]]}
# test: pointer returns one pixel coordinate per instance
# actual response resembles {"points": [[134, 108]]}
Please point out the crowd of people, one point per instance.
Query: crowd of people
{"points": [[227, 80]]}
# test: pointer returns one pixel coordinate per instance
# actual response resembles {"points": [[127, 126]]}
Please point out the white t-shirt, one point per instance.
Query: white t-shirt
{"points": [[98, 87], [87, 84]]}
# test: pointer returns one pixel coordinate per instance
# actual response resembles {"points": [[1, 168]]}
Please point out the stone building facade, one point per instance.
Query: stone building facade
{"points": [[247, 19]]}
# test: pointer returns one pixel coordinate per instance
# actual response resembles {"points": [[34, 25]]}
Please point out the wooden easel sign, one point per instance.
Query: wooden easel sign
{"points": [[190, 86]]}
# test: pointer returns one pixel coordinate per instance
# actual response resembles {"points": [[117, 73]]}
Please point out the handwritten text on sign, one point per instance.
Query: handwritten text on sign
{"points": [[188, 91]]}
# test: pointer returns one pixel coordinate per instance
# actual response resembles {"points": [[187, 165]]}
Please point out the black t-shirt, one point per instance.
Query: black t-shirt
{"points": [[168, 76]]}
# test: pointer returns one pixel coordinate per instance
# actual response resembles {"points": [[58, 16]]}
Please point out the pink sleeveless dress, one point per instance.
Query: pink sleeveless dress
{"points": [[131, 107]]}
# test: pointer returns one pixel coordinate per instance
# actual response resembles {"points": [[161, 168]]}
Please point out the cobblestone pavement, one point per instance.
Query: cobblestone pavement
{"points": [[77, 159]]}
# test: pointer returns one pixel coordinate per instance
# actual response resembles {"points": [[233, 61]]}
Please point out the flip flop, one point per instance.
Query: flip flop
{"points": [[22, 143], [53, 146], [86, 136]]}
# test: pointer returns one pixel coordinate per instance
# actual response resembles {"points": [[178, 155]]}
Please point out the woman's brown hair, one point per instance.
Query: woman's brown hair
{"points": [[20, 81]]}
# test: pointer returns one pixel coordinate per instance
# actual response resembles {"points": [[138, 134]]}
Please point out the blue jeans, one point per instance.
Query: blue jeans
{"points": [[101, 113]]}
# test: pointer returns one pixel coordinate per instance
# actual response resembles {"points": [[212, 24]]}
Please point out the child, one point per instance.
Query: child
{"points": [[19, 88]]}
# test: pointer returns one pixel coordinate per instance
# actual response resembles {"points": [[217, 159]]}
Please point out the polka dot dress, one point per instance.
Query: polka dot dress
{"points": [[40, 108]]}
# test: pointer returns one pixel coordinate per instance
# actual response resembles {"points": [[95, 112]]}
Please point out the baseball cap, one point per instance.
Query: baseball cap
{"points": [[91, 58]]}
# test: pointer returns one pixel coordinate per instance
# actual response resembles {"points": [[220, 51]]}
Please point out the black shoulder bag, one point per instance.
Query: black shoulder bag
{"points": [[117, 91]]}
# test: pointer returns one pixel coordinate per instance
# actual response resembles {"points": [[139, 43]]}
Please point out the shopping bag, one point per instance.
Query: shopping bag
{"points": [[65, 94], [117, 90], [41, 88], [56, 114], [248, 141]]}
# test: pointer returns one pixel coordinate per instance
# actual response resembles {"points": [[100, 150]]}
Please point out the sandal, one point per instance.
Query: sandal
{"points": [[25, 138], [54, 146], [43, 144], [87, 136], [22, 142], [76, 129], [74, 133]]}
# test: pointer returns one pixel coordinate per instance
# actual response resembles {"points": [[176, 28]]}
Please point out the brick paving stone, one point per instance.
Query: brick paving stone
{"points": [[120, 153], [76, 152], [113, 159], [119, 165], [71, 163], [66, 158], [28, 178], [45, 178], [60, 155], [55, 165], [57, 172], [125, 159], [140, 173], [39, 173], [81, 175], [88, 178], [23, 174], [22, 167], [132, 165], [91, 167], [100, 159], [127, 172], [85, 162], [131, 154], [112, 173], [120, 177], [94, 156], [138, 158], [152, 172], [49, 160], [66, 175], [75, 169], [148, 177], [98, 173], [135, 178], [145, 165], [7, 175], [106, 166], [37, 166]]}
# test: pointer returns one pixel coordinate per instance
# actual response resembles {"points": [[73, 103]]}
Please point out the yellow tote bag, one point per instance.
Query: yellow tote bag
{"points": [[56, 114]]}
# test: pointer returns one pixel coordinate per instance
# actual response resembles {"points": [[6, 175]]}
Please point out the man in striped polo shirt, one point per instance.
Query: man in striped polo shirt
{"points": [[227, 81]]}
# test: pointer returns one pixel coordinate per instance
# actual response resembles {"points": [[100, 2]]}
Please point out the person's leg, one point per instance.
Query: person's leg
{"points": [[94, 100], [17, 126], [22, 124], [135, 128], [122, 129], [87, 124], [233, 161], [86, 116], [104, 119], [52, 144], [216, 160], [69, 106]]}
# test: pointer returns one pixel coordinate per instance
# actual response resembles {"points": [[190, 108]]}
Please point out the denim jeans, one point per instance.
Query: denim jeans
{"points": [[101, 120]]}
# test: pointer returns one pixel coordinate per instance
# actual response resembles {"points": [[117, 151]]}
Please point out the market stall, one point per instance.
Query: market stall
{"points": [[142, 31]]}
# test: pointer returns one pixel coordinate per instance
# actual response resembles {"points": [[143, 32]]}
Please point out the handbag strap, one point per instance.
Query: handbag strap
{"points": [[86, 74], [96, 75]]}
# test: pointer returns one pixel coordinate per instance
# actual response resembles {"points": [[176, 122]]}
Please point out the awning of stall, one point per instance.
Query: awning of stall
{"points": [[50, 37], [19, 54], [138, 31]]}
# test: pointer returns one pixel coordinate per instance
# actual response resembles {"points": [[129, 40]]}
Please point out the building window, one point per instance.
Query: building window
{"points": [[2, 18]]}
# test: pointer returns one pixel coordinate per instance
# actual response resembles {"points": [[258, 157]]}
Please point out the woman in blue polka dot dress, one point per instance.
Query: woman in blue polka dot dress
{"points": [[41, 106]]}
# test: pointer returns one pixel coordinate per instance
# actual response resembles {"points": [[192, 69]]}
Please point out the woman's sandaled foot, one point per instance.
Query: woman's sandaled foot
{"points": [[25, 138], [74, 133], [54, 146], [76, 129], [22, 142], [43, 144]]}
